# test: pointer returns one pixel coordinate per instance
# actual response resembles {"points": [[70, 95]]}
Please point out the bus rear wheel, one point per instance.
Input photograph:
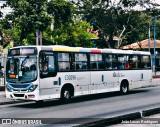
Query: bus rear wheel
{"points": [[124, 87], [66, 96]]}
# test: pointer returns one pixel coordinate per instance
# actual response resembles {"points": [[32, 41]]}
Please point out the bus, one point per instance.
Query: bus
{"points": [[41, 73]]}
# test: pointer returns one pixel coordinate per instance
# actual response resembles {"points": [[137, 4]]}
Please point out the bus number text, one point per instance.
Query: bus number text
{"points": [[70, 77]]}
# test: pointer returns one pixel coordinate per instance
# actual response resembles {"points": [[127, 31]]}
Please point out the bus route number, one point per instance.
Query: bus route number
{"points": [[70, 77]]}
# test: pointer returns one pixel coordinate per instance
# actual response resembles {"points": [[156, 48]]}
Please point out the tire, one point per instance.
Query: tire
{"points": [[124, 87], [66, 95]]}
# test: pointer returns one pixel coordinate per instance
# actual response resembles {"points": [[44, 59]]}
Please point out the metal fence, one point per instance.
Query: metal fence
{"points": [[2, 71], [2, 79], [2, 82]]}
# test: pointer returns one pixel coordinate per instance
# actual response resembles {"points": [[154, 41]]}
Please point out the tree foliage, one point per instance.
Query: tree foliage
{"points": [[126, 19], [74, 34], [29, 15], [60, 22], [61, 10]]}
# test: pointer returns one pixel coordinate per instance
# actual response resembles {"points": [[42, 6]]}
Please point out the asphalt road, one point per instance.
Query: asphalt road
{"points": [[86, 108]]}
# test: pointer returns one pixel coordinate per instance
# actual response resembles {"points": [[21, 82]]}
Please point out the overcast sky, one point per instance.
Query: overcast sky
{"points": [[7, 10], [157, 1]]}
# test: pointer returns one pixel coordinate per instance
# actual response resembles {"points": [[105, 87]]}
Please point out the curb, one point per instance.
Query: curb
{"points": [[111, 121], [150, 112], [119, 119]]}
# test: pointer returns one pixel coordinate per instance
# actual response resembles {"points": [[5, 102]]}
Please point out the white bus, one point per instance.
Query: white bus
{"points": [[46, 72]]}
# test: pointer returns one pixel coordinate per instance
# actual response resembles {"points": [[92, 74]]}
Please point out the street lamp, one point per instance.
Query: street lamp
{"points": [[149, 34], [154, 58]]}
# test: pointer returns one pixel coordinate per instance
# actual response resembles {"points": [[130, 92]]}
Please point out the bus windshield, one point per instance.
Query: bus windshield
{"points": [[21, 69]]}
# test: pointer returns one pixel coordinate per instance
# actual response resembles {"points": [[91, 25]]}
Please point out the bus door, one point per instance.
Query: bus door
{"points": [[110, 77], [47, 72], [96, 72]]}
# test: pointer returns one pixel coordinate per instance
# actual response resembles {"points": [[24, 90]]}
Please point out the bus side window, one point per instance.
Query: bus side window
{"points": [[145, 62], [64, 61], [33, 67], [45, 67], [77, 67], [127, 65], [80, 61], [94, 66], [100, 65], [47, 64]]}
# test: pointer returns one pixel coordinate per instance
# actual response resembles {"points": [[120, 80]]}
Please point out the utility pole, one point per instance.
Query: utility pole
{"points": [[154, 60], [149, 38], [38, 37]]}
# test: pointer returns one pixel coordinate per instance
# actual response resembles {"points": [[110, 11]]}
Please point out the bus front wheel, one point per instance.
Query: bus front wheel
{"points": [[124, 87], [65, 95]]}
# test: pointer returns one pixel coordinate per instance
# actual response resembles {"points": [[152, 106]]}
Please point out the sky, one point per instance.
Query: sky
{"points": [[7, 9], [157, 1]]}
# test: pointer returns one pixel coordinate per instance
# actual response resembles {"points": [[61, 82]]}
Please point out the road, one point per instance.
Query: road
{"points": [[87, 108]]}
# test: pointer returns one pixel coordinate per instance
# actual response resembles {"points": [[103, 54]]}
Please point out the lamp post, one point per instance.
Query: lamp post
{"points": [[149, 34], [154, 57]]}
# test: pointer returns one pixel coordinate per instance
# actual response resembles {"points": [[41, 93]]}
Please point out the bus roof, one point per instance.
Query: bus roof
{"points": [[81, 49]]}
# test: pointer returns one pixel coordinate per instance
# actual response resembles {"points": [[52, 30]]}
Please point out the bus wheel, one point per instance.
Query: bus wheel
{"points": [[124, 87], [65, 95]]}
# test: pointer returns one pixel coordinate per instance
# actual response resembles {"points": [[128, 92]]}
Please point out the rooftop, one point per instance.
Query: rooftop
{"points": [[142, 45]]}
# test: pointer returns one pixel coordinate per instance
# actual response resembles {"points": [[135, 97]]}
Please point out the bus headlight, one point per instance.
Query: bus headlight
{"points": [[32, 88], [8, 87]]}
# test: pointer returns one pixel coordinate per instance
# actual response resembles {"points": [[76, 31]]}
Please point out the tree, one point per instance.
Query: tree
{"points": [[74, 34], [28, 16], [116, 18], [62, 12]]}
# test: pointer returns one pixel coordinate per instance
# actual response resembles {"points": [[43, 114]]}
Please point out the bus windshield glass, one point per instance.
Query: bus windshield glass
{"points": [[21, 69]]}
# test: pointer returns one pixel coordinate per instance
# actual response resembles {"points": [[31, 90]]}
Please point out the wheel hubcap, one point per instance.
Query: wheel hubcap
{"points": [[124, 89], [66, 94]]}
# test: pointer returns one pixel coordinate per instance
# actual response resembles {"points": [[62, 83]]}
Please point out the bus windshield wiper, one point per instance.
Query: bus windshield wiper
{"points": [[27, 57]]}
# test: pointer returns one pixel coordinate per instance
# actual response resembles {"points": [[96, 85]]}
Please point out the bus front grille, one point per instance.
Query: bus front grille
{"points": [[19, 95]]}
